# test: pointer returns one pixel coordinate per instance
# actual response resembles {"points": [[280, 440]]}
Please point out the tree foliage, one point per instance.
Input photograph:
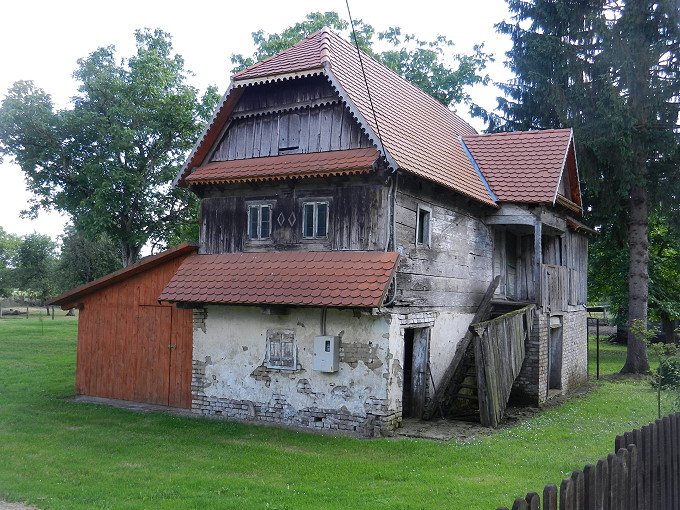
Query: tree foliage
{"points": [[610, 69], [83, 259], [34, 267], [430, 65], [109, 160], [9, 245]]}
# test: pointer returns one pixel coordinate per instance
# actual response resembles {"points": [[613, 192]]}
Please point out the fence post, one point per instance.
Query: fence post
{"points": [[579, 489], [675, 451], [533, 501], [589, 487], [519, 504], [567, 494], [550, 497], [635, 478], [602, 481]]}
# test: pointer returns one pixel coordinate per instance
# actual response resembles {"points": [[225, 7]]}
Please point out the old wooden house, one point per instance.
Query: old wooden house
{"points": [[353, 229]]}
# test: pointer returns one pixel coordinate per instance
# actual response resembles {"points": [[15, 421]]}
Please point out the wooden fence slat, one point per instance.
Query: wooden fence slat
{"points": [[589, 487], [635, 486], [520, 504], [579, 490], [533, 501], [623, 459], [668, 457], [550, 497], [660, 465], [675, 452], [567, 494], [614, 481]]}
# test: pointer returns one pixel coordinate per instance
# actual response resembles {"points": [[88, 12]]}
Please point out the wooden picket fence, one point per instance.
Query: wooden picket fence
{"points": [[643, 474]]}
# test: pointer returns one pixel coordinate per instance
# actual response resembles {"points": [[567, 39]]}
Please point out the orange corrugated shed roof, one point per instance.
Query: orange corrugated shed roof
{"points": [[419, 134], [316, 164], [338, 279], [523, 166]]}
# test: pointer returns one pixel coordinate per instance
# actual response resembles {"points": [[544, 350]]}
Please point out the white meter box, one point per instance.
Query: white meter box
{"points": [[326, 353]]}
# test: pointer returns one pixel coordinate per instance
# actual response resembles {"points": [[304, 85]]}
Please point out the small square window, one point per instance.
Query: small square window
{"points": [[281, 349], [259, 221], [315, 220], [423, 226]]}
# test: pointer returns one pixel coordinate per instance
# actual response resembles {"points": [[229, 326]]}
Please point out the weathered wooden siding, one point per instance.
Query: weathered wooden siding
{"points": [[456, 268], [124, 339], [357, 215], [295, 116], [577, 262]]}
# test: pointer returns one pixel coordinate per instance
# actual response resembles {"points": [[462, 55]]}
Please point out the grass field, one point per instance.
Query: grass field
{"points": [[60, 454]]}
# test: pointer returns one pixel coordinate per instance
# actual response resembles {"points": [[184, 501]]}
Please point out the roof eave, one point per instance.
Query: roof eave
{"points": [[70, 299]]}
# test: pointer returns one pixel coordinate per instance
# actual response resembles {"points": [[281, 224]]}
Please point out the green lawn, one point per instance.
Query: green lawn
{"points": [[57, 453]]}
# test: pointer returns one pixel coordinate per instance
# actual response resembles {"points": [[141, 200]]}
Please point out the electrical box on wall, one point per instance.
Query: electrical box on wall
{"points": [[326, 353]]}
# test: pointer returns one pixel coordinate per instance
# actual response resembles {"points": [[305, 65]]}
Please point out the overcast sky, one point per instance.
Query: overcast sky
{"points": [[41, 41]]}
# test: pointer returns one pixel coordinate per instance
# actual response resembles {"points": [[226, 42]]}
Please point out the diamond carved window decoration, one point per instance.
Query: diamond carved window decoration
{"points": [[281, 218], [292, 219]]}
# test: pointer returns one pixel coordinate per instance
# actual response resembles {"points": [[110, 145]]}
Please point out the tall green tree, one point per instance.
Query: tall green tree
{"points": [[110, 159], [430, 65], [9, 244], [83, 259], [610, 69], [35, 264]]}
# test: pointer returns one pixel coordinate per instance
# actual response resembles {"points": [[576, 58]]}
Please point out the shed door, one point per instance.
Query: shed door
{"points": [[416, 355], [153, 372]]}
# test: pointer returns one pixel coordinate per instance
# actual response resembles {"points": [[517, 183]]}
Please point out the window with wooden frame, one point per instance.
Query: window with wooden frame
{"points": [[423, 225], [315, 220], [281, 349], [259, 221]]}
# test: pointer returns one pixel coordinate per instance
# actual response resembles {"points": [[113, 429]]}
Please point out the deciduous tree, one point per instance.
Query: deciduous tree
{"points": [[109, 160]]}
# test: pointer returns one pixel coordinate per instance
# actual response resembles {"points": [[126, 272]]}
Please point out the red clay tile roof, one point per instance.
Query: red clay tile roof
{"points": [[316, 164], [310, 53], [69, 298], [339, 279], [419, 134], [523, 166]]}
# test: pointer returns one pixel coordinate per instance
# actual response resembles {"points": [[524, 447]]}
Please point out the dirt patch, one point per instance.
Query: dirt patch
{"points": [[465, 431], [4, 505]]}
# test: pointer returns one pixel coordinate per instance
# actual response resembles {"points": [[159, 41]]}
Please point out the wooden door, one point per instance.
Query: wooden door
{"points": [[153, 357], [421, 355]]}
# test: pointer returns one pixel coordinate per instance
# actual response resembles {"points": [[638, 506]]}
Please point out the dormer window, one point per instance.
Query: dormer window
{"points": [[315, 220], [259, 222]]}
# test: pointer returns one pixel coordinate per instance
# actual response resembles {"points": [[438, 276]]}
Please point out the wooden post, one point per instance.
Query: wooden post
{"points": [[550, 497], [578, 489], [602, 482], [533, 501], [567, 494], [589, 486], [538, 260], [520, 504]]}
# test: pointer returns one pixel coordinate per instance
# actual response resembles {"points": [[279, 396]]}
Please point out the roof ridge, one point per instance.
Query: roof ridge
{"points": [[256, 65], [522, 133]]}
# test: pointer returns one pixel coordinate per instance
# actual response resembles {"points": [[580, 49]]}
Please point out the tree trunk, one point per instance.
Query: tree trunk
{"points": [[638, 279], [129, 254], [668, 327]]}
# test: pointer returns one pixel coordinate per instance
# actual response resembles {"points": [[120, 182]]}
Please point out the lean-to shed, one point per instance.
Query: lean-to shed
{"points": [[130, 346]]}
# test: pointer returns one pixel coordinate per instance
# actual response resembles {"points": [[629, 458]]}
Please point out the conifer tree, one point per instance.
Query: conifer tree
{"points": [[610, 69]]}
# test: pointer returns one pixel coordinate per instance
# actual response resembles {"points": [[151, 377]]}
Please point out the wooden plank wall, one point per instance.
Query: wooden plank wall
{"points": [[577, 262], [499, 354], [111, 360], [643, 474], [295, 116], [554, 287], [455, 269], [356, 215]]}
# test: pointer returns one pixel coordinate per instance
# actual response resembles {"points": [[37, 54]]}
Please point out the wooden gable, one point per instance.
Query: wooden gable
{"points": [[297, 116]]}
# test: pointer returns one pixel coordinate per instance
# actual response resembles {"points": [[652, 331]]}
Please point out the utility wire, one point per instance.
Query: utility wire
{"points": [[363, 72]]}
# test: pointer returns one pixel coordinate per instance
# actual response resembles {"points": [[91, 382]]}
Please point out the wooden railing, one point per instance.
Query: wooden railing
{"points": [[499, 354], [643, 474]]}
